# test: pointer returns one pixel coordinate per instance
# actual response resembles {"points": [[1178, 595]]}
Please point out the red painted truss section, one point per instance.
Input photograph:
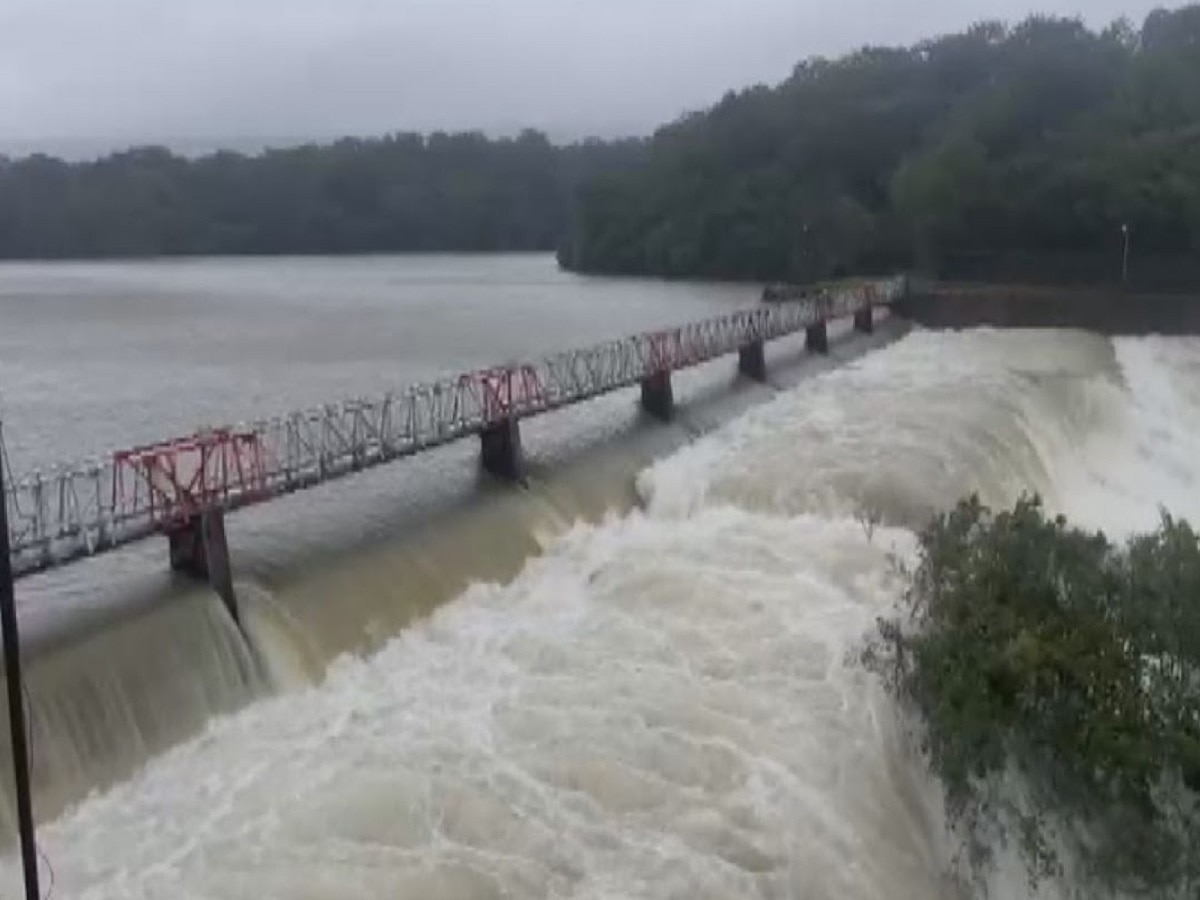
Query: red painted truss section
{"points": [[173, 481]]}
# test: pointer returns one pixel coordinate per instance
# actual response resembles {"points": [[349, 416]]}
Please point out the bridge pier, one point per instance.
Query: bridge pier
{"points": [[199, 549], [864, 320], [501, 455], [816, 338], [752, 361], [658, 397]]}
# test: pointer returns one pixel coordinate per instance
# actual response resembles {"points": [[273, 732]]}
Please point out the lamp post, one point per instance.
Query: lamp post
{"points": [[1125, 254], [16, 700], [807, 255]]}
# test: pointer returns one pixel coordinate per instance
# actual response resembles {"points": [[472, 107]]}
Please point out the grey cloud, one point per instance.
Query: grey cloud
{"points": [[178, 69]]}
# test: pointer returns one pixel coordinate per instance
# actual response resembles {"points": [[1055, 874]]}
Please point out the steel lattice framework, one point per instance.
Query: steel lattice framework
{"points": [[78, 510]]}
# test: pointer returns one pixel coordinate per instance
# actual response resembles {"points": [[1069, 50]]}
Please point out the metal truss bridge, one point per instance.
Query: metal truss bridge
{"points": [[182, 487]]}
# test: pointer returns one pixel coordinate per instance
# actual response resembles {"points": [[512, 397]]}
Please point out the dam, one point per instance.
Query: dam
{"points": [[632, 677]]}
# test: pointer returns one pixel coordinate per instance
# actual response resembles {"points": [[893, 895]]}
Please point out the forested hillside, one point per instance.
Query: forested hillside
{"points": [[1005, 151], [1002, 144], [402, 192]]}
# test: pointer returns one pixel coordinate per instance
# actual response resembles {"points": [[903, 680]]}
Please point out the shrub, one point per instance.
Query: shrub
{"points": [[1056, 680]]}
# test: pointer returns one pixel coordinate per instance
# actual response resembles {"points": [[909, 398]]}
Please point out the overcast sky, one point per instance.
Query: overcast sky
{"points": [[116, 71]]}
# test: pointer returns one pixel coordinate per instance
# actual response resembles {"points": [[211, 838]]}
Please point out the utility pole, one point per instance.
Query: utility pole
{"points": [[16, 699]]}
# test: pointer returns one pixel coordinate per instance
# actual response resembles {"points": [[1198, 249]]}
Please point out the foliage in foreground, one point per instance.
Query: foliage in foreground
{"points": [[1057, 677]]}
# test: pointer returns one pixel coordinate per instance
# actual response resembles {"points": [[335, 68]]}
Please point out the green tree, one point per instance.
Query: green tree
{"points": [[1056, 679], [400, 192], [1041, 138]]}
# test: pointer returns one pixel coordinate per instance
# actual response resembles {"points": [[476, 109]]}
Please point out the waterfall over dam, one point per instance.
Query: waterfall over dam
{"points": [[140, 660], [635, 678]]}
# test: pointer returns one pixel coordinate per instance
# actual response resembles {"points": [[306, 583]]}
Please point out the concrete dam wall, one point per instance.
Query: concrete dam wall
{"points": [[1108, 311]]}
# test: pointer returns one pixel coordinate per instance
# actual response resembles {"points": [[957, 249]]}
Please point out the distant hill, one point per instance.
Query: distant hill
{"points": [[1039, 151], [1010, 151], [403, 192], [86, 149]]}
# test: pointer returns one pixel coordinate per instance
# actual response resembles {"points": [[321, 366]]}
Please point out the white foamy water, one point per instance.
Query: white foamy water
{"points": [[666, 705]]}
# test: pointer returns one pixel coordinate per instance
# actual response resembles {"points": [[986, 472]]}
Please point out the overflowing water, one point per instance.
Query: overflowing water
{"points": [[663, 703]]}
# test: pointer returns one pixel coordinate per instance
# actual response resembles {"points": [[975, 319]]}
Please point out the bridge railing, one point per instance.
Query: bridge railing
{"points": [[77, 510]]}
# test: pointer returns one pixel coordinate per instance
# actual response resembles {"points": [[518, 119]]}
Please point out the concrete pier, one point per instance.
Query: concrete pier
{"points": [[502, 455], [864, 321], [658, 397], [200, 549], [816, 338], [752, 361]]}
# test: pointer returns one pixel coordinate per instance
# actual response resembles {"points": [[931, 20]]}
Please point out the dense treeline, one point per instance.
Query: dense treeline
{"points": [[403, 192], [994, 150], [1043, 138]]}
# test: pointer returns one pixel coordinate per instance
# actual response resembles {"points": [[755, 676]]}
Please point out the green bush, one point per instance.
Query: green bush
{"points": [[1056, 679]]}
